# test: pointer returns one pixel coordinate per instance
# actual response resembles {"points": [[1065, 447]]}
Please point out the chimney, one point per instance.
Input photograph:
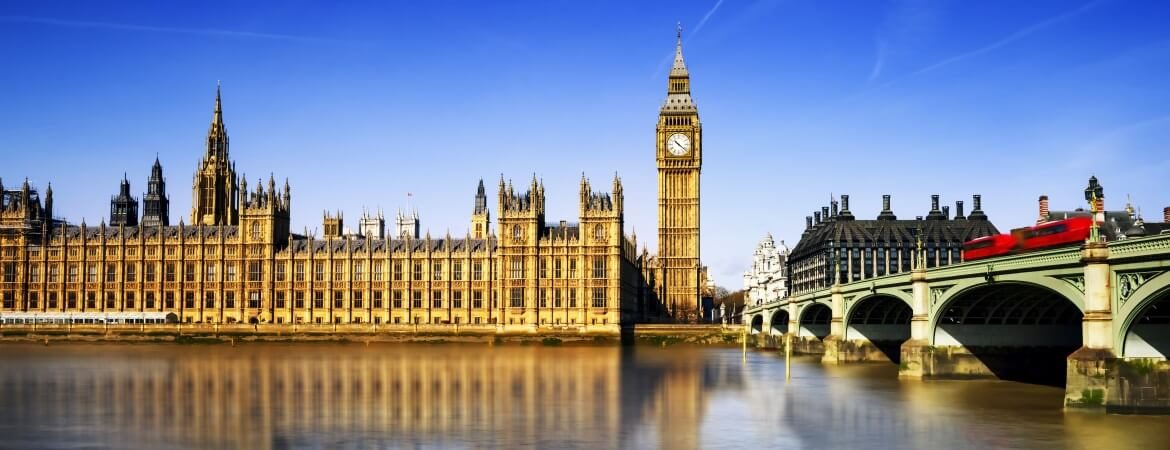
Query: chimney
{"points": [[935, 213], [817, 216], [977, 211], [824, 214], [1166, 214], [886, 213], [959, 210], [833, 205], [845, 214], [1043, 209], [946, 210], [808, 222]]}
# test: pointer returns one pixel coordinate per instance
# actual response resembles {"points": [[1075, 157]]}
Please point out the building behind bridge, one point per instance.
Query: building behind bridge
{"points": [[1116, 225], [767, 279], [834, 242]]}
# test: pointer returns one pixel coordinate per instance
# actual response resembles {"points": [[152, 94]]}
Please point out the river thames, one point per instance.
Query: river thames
{"points": [[275, 396]]}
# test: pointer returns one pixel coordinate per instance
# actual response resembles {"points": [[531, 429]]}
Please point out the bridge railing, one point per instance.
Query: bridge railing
{"points": [[1142, 247], [1158, 244]]}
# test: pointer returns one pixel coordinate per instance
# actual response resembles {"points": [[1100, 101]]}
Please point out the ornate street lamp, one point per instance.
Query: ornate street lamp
{"points": [[919, 256], [836, 262], [1092, 193]]}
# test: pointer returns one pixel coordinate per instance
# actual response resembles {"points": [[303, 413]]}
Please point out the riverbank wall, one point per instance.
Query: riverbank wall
{"points": [[642, 334]]}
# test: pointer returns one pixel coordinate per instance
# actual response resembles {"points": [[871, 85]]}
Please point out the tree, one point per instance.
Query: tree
{"points": [[732, 302]]}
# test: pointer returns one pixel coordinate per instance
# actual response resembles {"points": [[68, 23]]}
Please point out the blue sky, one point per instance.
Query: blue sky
{"points": [[358, 103]]}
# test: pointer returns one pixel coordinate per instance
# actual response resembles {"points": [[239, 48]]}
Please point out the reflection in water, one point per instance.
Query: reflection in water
{"points": [[350, 396], [275, 396]]}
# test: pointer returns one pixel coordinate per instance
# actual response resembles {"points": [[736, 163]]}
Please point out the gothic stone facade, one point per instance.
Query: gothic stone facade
{"points": [[237, 261], [680, 158]]}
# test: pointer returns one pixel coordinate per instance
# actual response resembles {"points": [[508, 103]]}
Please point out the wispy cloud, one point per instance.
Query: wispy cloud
{"points": [[905, 25], [690, 37], [157, 29], [706, 17], [879, 61], [1116, 145], [1022, 33]]}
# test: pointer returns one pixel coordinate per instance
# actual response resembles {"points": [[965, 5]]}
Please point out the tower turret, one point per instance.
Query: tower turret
{"points": [[215, 194], [480, 216], [332, 224], [679, 155], [123, 207], [408, 224], [372, 226], [156, 204]]}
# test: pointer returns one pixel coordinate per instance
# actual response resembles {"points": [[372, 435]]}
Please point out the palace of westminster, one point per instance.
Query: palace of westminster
{"points": [[237, 261]]}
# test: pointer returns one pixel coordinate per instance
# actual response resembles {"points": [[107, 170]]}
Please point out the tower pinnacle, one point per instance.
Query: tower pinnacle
{"points": [[679, 68]]}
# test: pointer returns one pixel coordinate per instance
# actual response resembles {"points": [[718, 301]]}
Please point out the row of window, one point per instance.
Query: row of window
{"points": [[210, 271], [254, 270], [555, 298], [516, 268], [856, 264]]}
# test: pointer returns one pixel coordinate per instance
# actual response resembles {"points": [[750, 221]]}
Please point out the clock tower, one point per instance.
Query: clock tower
{"points": [[679, 155]]}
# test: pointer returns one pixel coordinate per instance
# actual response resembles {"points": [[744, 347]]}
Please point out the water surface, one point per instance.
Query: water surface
{"points": [[275, 396]]}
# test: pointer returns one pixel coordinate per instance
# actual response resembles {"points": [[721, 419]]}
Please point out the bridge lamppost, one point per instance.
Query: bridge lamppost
{"points": [[1092, 194], [919, 256], [836, 255]]}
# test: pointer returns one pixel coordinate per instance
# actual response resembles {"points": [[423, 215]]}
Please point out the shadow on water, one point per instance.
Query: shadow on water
{"points": [[890, 349], [627, 335], [1045, 366]]}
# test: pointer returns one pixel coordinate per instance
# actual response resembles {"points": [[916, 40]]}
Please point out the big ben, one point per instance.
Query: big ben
{"points": [[679, 143]]}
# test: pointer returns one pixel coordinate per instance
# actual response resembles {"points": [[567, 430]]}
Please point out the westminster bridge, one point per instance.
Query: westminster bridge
{"points": [[1094, 318]]}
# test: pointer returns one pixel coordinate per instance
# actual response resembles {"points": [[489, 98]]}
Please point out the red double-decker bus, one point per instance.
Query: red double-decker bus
{"points": [[1045, 235]]}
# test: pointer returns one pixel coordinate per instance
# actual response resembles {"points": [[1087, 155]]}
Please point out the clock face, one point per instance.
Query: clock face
{"points": [[678, 144]]}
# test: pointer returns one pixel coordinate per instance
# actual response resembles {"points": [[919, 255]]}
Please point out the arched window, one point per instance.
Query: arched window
{"points": [[255, 230], [516, 232], [598, 232]]}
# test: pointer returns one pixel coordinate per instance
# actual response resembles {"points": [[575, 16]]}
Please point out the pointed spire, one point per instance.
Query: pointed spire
{"points": [[480, 199], [217, 134], [679, 68]]}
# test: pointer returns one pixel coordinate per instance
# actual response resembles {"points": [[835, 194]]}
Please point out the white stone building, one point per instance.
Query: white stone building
{"points": [[767, 280]]}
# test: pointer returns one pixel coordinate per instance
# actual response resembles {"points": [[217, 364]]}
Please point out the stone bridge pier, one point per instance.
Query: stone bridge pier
{"points": [[1094, 320], [1005, 329]]}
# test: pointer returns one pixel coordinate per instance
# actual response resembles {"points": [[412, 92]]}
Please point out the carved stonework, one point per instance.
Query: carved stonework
{"points": [[936, 293], [849, 300], [1127, 283], [1077, 281]]}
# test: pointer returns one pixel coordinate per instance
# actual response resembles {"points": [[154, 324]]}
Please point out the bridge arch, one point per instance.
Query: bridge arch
{"points": [[1145, 326], [881, 320], [815, 319], [948, 292], [778, 325], [851, 307], [1014, 330], [757, 324]]}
